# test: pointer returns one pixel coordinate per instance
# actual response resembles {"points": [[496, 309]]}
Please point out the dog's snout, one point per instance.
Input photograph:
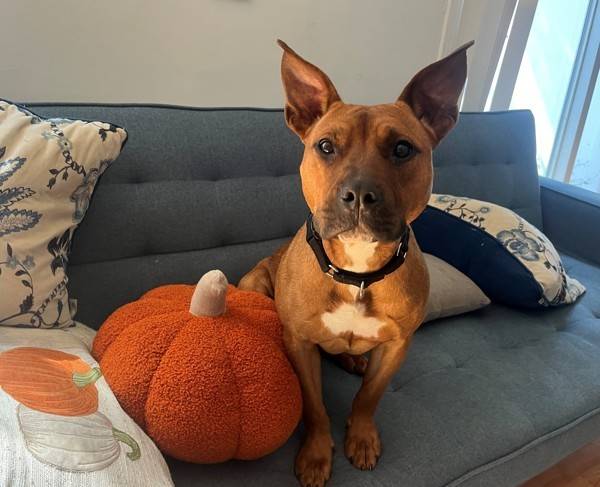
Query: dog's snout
{"points": [[359, 193]]}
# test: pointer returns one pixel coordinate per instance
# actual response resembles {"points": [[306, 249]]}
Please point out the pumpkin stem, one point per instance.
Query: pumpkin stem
{"points": [[82, 380], [209, 296], [123, 437]]}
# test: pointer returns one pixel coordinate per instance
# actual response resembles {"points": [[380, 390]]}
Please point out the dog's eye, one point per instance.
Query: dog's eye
{"points": [[325, 146], [403, 150]]}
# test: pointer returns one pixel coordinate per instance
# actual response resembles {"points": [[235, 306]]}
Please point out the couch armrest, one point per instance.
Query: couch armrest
{"points": [[571, 218]]}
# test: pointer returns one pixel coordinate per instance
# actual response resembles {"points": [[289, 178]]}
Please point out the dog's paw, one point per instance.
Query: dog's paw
{"points": [[313, 463], [362, 446], [354, 364]]}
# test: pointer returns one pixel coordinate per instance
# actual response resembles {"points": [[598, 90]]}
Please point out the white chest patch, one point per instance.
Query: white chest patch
{"points": [[351, 318], [358, 252]]}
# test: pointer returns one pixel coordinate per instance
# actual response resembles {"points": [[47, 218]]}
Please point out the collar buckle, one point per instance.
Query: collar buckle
{"points": [[332, 271]]}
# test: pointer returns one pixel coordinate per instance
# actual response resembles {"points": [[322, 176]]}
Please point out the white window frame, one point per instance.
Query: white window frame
{"points": [[579, 92], [578, 98], [501, 91]]}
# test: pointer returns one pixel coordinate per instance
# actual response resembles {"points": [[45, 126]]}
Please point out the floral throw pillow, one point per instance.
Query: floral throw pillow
{"points": [[507, 257], [48, 169]]}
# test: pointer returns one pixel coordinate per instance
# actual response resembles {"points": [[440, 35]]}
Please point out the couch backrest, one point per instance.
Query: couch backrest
{"points": [[198, 189]]}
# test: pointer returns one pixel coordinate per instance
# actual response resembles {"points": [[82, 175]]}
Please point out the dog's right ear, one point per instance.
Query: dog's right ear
{"points": [[309, 92]]}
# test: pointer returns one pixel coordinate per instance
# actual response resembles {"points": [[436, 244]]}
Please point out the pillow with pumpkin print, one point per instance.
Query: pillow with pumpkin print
{"points": [[48, 170], [60, 424]]}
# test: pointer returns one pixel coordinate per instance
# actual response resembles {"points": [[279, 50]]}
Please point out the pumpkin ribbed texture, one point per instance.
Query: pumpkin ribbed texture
{"points": [[206, 389]]}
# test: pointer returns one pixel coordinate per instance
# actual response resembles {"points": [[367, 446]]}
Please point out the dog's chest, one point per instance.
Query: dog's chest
{"points": [[352, 318]]}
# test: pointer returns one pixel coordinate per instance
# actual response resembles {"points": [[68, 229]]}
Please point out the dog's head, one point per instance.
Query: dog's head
{"points": [[366, 171]]}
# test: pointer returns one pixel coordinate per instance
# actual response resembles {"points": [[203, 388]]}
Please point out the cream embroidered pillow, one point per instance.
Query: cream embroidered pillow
{"points": [[48, 170]]}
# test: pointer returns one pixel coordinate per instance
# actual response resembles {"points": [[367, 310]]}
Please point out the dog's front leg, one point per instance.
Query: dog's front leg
{"points": [[313, 463], [362, 445]]}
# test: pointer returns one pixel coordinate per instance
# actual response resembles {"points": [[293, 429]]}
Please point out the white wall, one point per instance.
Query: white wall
{"points": [[218, 52]]}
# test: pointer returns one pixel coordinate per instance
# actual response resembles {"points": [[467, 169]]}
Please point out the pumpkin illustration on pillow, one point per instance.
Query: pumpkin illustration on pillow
{"points": [[49, 381], [58, 412], [78, 443]]}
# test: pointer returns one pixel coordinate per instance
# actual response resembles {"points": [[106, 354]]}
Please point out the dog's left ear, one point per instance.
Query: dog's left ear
{"points": [[434, 91], [308, 91]]}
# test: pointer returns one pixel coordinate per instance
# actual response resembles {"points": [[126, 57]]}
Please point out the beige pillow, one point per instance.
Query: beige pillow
{"points": [[450, 291], [48, 170]]}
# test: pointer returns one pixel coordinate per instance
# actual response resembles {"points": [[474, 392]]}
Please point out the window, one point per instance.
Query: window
{"points": [[556, 79], [586, 169], [546, 68]]}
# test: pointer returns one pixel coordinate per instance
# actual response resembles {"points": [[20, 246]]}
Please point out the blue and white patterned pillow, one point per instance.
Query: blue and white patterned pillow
{"points": [[48, 170], [507, 257]]}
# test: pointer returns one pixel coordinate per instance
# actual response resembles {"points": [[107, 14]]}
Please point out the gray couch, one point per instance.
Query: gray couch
{"points": [[486, 399]]}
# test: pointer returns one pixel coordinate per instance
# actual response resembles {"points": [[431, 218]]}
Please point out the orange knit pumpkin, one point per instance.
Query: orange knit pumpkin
{"points": [[205, 388], [49, 381]]}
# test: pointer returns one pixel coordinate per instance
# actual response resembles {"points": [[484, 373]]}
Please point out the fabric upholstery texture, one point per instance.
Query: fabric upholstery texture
{"points": [[567, 207], [231, 175], [488, 398]]}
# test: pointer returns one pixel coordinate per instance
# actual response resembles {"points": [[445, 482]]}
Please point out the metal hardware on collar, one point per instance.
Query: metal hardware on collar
{"points": [[360, 280], [400, 247]]}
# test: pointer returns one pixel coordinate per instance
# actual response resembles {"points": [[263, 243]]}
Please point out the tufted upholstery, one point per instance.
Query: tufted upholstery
{"points": [[196, 189], [487, 399]]}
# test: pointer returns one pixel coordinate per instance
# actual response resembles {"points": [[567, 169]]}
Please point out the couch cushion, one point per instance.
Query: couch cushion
{"points": [[485, 399], [197, 189]]}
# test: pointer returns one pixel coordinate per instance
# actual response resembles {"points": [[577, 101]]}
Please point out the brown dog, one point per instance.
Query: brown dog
{"points": [[366, 175]]}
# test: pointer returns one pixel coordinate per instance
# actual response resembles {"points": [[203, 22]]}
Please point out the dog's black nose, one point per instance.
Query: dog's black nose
{"points": [[359, 193]]}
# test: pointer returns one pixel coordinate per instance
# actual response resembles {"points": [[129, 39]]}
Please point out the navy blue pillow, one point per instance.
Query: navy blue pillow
{"points": [[511, 261], [478, 255]]}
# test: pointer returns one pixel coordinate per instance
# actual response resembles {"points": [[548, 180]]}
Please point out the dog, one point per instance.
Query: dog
{"points": [[353, 279]]}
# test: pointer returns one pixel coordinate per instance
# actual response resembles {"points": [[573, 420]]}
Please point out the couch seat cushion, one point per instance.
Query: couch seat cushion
{"points": [[488, 398]]}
